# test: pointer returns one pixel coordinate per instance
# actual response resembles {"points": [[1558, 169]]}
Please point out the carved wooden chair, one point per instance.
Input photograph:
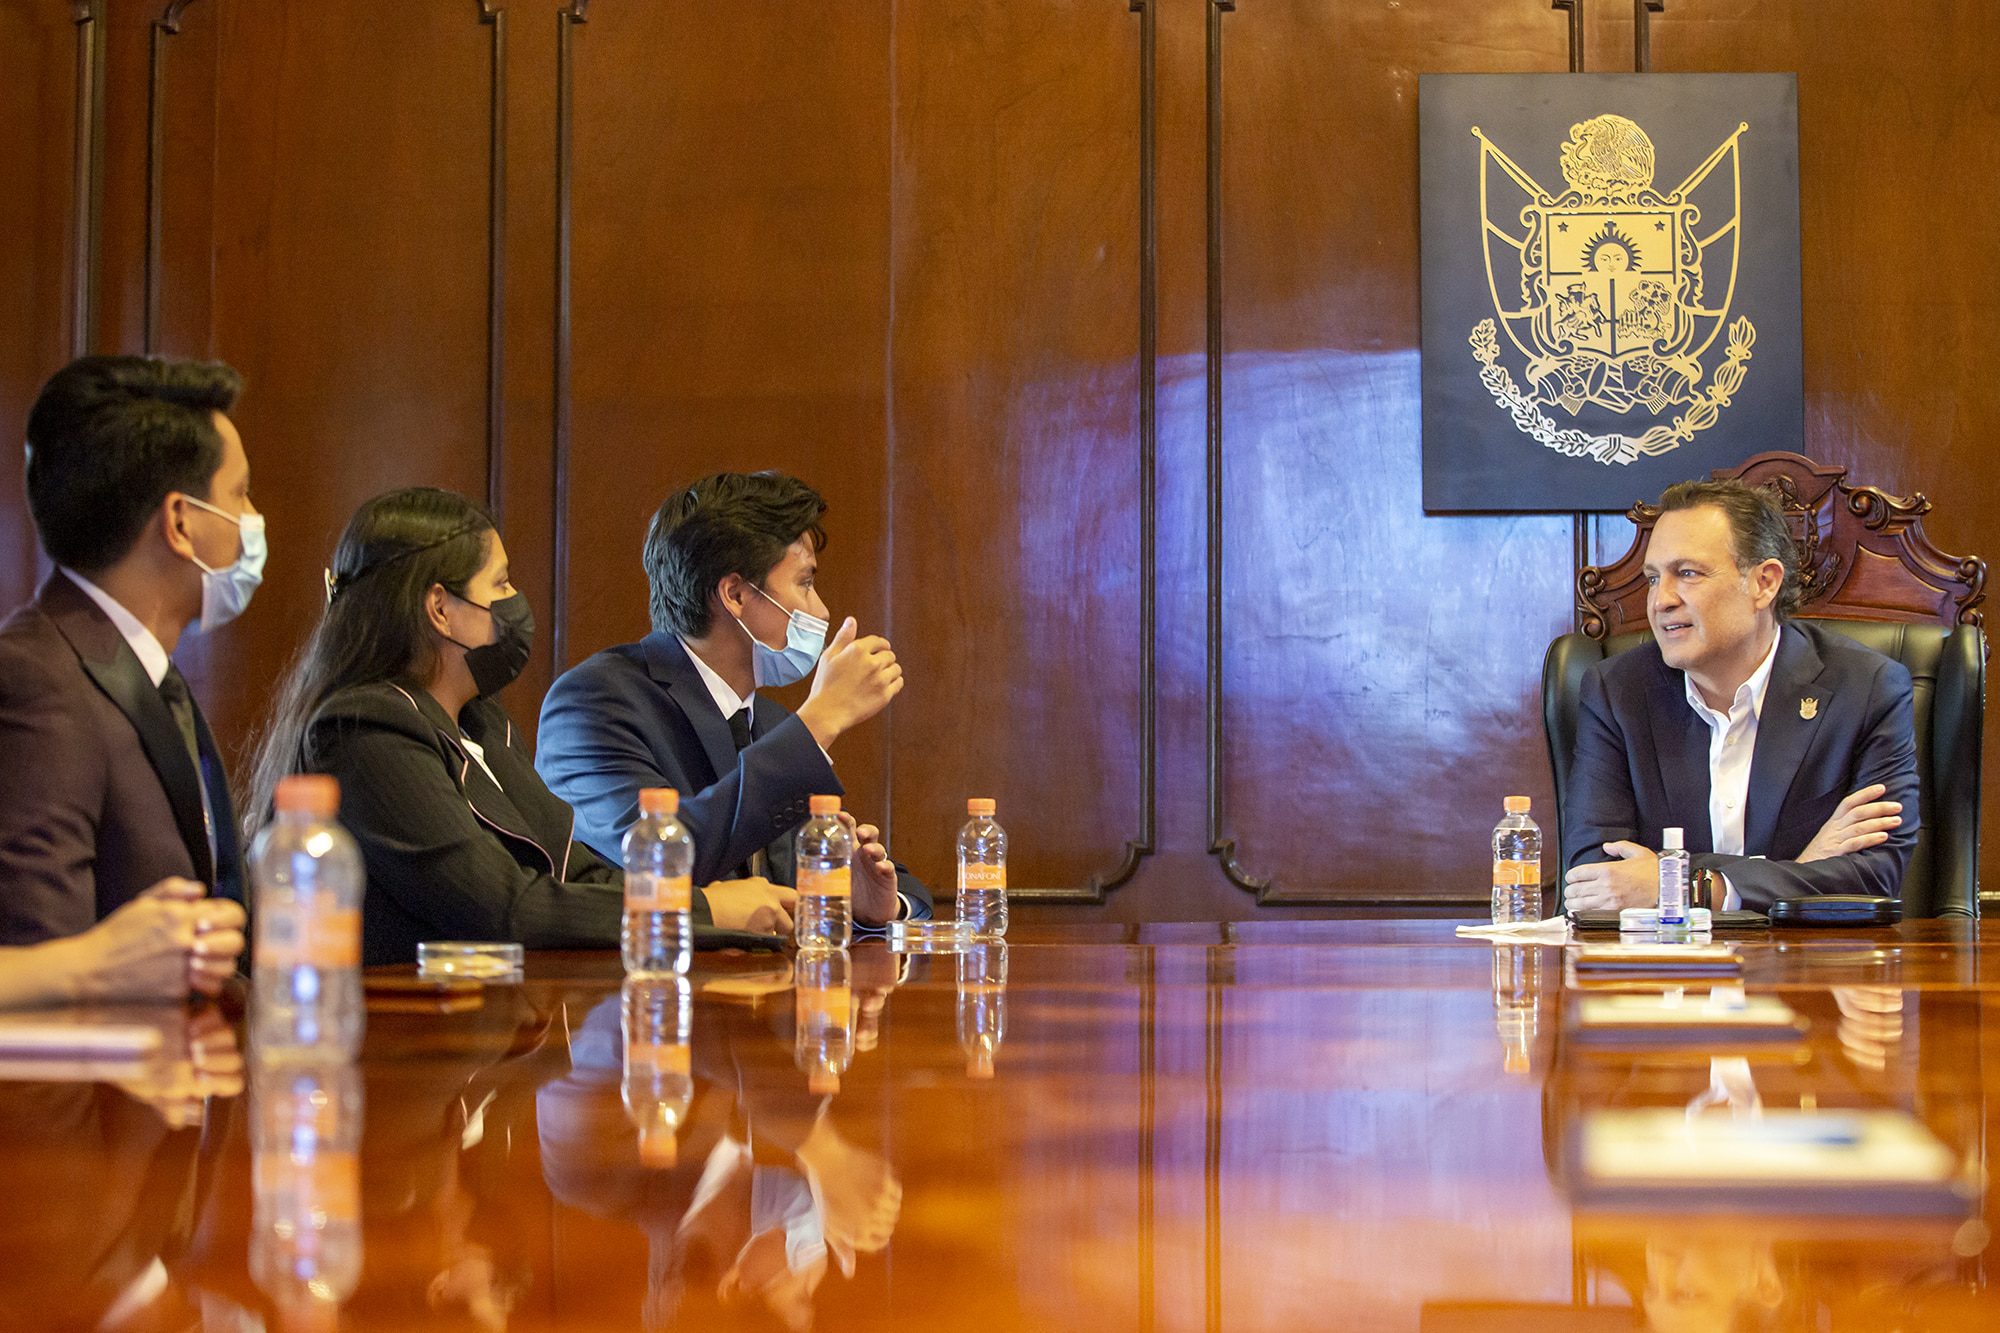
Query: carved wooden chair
{"points": [[1870, 573]]}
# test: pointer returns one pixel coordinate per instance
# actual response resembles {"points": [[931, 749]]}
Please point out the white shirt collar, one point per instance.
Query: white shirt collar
{"points": [[728, 700], [1749, 695], [140, 639]]}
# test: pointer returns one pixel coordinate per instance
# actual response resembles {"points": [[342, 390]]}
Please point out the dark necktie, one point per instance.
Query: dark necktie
{"points": [[174, 689], [739, 731]]}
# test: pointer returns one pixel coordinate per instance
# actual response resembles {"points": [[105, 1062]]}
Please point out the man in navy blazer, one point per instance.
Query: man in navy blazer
{"points": [[731, 563], [1784, 751]]}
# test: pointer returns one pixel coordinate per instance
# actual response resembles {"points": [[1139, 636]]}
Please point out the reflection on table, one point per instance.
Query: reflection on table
{"points": [[1266, 1126]]}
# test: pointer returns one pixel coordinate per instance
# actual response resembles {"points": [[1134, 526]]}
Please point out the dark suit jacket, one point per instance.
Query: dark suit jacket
{"points": [[102, 800], [1641, 765], [449, 854], [639, 715]]}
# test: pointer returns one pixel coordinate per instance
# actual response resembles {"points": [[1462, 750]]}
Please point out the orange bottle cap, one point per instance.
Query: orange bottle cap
{"points": [[1517, 805], [308, 794], [659, 801], [821, 1083], [824, 805], [981, 805]]}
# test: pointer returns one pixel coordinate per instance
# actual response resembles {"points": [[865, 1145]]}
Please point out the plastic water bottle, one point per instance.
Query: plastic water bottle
{"points": [[982, 871], [658, 936], [306, 958], [1673, 881], [982, 1004], [1517, 865], [823, 1031], [823, 855], [305, 1170], [658, 1017]]}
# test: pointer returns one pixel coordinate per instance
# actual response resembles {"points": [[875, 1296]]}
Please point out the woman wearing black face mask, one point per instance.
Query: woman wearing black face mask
{"points": [[394, 695]]}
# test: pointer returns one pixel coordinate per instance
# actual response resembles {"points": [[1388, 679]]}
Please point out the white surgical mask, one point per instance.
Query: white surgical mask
{"points": [[226, 591], [805, 639]]}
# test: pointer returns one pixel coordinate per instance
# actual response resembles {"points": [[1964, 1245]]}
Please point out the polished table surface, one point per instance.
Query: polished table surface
{"points": [[1190, 1126]]}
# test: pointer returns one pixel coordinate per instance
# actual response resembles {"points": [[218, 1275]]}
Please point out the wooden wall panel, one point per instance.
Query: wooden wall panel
{"points": [[1899, 143], [1016, 442], [730, 294], [37, 104], [1370, 652], [350, 280], [898, 249]]}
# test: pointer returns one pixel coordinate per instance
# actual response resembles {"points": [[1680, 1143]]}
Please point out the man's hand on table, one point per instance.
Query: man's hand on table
{"points": [[1630, 879]]}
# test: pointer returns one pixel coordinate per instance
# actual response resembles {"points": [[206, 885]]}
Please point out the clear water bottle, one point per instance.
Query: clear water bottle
{"points": [[305, 1170], [306, 956], [823, 1031], [658, 935], [1674, 866], [982, 1004], [658, 1016], [1517, 865], [982, 871], [823, 856]]}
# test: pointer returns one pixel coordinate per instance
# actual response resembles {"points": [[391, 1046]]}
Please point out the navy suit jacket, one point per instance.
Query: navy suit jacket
{"points": [[1641, 765], [640, 715]]}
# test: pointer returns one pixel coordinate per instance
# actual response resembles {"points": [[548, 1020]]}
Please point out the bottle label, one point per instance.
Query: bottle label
{"points": [[980, 875], [657, 893], [324, 940], [668, 1058], [1527, 873], [822, 883], [825, 1006]]}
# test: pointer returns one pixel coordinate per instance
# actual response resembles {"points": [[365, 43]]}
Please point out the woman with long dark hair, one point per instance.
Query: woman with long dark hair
{"points": [[393, 695]]}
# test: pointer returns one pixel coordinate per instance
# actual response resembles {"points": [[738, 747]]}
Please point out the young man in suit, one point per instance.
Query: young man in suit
{"points": [[731, 562], [1785, 752], [140, 493]]}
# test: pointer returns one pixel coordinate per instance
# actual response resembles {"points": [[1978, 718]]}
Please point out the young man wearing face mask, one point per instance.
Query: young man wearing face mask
{"points": [[732, 563], [140, 493]]}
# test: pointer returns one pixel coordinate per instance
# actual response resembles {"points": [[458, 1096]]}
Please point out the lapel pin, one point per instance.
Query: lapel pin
{"points": [[1809, 708]]}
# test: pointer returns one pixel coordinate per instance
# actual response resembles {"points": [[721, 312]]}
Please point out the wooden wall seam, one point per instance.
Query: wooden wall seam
{"points": [[88, 172], [493, 15], [572, 14]]}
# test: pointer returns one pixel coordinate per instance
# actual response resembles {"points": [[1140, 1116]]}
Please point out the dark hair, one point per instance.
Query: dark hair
{"points": [[1757, 528], [730, 523], [109, 438], [375, 627]]}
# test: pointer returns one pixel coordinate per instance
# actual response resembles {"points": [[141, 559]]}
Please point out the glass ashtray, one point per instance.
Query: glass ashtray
{"points": [[470, 959], [930, 936]]}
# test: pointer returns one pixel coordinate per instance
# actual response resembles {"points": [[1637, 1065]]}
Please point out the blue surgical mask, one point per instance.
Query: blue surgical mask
{"points": [[805, 639], [226, 591]]}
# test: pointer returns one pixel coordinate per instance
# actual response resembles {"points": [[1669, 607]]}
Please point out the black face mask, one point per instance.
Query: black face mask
{"points": [[496, 665]]}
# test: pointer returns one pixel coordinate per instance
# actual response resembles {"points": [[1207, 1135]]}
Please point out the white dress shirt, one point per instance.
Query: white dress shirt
{"points": [[1732, 742]]}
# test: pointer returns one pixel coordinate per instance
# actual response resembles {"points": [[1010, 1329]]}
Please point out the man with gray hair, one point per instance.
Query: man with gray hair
{"points": [[1785, 752]]}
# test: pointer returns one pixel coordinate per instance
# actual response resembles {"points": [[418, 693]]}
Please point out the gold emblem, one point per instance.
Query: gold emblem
{"points": [[1615, 309], [1808, 708]]}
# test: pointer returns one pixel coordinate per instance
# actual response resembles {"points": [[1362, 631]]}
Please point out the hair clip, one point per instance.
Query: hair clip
{"points": [[332, 586]]}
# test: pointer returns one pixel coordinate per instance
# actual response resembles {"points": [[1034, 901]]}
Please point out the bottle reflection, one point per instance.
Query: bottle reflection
{"points": [[305, 1237], [982, 1004], [659, 1079], [823, 1037], [1517, 994]]}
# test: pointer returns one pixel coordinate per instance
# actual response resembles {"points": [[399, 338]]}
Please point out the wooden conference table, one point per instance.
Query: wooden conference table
{"points": [[1259, 1126]]}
